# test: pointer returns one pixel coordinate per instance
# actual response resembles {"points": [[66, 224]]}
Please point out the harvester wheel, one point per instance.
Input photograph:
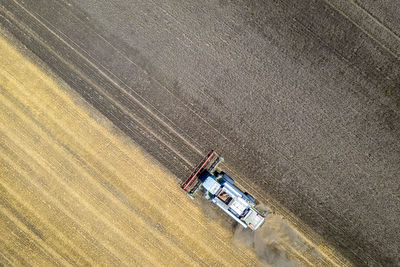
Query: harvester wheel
{"points": [[250, 197]]}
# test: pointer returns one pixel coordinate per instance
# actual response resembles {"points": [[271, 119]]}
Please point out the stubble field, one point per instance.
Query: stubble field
{"points": [[74, 192]]}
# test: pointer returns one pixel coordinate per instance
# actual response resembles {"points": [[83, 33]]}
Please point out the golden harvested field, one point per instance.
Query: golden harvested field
{"points": [[74, 191]]}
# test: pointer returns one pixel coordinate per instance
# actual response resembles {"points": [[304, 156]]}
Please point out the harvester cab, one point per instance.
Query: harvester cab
{"points": [[220, 189]]}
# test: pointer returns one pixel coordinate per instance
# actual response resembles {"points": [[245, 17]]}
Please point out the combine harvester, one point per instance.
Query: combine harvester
{"points": [[219, 188]]}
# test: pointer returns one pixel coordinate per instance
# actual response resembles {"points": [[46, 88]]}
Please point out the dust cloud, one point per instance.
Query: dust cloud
{"points": [[276, 243]]}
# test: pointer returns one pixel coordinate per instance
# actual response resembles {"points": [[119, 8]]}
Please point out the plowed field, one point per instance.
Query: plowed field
{"points": [[74, 190]]}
